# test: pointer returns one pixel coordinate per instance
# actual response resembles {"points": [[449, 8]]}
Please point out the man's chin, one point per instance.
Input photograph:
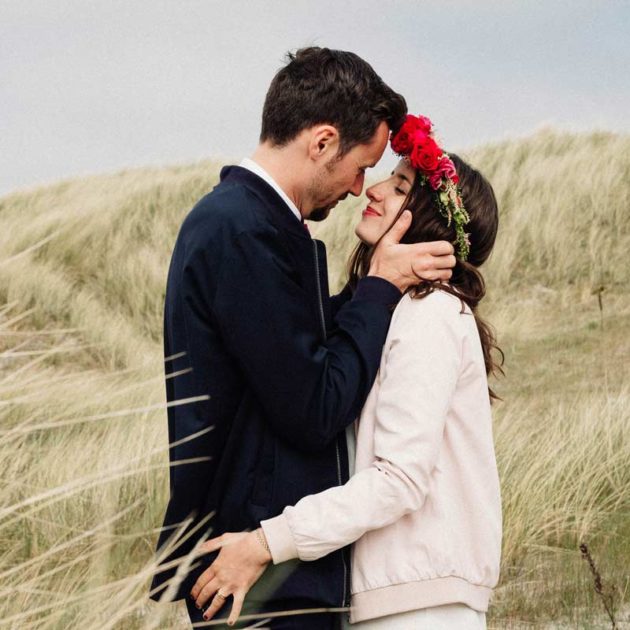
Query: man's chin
{"points": [[319, 214]]}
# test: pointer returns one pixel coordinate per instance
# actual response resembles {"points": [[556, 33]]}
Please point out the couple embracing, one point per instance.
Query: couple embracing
{"points": [[338, 450]]}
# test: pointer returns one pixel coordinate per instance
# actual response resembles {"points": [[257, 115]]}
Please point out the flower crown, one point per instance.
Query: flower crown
{"points": [[415, 143]]}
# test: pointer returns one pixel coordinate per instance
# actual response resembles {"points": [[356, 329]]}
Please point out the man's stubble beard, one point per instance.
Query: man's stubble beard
{"points": [[318, 190], [319, 214]]}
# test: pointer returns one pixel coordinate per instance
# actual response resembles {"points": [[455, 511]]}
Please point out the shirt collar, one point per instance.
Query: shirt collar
{"points": [[255, 168]]}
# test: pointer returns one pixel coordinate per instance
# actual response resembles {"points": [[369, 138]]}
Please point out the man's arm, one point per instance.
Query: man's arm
{"points": [[310, 387], [337, 301]]}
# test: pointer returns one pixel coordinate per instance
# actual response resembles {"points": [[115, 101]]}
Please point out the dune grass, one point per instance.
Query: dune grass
{"points": [[82, 421]]}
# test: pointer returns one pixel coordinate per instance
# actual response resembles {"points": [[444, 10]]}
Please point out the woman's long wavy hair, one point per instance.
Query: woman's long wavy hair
{"points": [[427, 224]]}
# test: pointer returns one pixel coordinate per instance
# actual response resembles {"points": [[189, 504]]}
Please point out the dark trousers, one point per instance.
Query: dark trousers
{"points": [[316, 621]]}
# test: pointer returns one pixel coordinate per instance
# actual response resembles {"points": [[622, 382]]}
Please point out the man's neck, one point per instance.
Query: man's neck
{"points": [[281, 165]]}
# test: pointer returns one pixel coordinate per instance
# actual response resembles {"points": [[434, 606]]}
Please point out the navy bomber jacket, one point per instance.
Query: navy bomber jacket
{"points": [[248, 322]]}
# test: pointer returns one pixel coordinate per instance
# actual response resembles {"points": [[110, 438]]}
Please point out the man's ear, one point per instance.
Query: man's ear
{"points": [[324, 142]]}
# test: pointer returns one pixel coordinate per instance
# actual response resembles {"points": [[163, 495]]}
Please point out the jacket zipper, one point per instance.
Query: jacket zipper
{"points": [[323, 323], [319, 291]]}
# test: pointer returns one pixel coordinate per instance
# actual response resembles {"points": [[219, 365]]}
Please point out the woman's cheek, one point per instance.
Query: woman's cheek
{"points": [[367, 231]]}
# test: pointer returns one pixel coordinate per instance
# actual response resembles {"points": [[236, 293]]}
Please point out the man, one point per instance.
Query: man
{"points": [[249, 324]]}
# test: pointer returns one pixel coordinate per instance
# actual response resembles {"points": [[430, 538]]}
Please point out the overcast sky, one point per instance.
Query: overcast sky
{"points": [[90, 86]]}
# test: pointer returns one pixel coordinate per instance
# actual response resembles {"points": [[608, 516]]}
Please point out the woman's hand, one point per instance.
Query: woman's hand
{"points": [[242, 560]]}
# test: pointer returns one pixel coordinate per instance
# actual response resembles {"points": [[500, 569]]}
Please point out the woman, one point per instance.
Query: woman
{"points": [[423, 506]]}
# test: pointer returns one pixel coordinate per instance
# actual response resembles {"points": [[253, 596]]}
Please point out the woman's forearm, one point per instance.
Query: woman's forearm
{"points": [[417, 382]]}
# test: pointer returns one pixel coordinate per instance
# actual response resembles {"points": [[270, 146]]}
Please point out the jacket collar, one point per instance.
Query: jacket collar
{"points": [[273, 201]]}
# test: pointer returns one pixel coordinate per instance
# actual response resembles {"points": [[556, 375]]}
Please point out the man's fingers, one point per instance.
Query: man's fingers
{"points": [[399, 228], [237, 606], [436, 275], [436, 248], [432, 267], [443, 262], [443, 275]]}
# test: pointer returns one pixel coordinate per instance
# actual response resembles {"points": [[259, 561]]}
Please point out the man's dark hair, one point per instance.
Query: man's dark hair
{"points": [[318, 86]]}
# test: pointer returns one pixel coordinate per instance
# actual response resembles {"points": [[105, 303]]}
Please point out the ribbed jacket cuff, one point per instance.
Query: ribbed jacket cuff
{"points": [[374, 289], [279, 538]]}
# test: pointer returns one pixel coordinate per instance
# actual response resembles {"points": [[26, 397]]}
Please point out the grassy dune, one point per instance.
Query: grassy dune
{"points": [[82, 420]]}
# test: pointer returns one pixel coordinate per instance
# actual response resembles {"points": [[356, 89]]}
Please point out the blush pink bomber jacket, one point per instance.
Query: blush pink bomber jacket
{"points": [[423, 505]]}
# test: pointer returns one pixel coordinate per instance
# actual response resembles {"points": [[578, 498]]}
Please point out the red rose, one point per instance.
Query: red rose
{"points": [[401, 142], [426, 156], [420, 138], [404, 141], [424, 124]]}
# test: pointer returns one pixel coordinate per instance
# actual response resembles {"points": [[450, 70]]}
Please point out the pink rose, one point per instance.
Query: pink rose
{"points": [[447, 169], [435, 180]]}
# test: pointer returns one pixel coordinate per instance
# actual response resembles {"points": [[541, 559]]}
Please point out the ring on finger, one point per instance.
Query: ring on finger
{"points": [[221, 595]]}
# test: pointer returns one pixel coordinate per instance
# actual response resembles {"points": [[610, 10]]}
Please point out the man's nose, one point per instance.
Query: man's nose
{"points": [[357, 186]]}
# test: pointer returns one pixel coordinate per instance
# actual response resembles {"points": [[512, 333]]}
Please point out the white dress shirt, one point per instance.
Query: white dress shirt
{"points": [[257, 169]]}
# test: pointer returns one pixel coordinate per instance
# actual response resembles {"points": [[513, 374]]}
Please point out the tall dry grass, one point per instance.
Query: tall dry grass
{"points": [[82, 421]]}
